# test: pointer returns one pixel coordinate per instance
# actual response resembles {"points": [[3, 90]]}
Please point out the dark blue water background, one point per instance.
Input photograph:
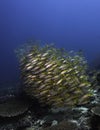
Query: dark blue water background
{"points": [[71, 24]]}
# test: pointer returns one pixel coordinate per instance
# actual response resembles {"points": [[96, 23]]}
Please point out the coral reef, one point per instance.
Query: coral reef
{"points": [[54, 76], [13, 107], [64, 125]]}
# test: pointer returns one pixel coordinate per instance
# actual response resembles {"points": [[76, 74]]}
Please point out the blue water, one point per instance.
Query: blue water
{"points": [[71, 24]]}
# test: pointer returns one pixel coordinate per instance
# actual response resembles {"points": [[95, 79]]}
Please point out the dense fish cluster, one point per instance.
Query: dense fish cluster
{"points": [[55, 77]]}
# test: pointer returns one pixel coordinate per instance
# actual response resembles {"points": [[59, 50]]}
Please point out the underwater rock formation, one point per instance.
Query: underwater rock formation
{"points": [[54, 76]]}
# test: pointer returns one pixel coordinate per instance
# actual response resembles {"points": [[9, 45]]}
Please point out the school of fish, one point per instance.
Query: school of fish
{"points": [[55, 77]]}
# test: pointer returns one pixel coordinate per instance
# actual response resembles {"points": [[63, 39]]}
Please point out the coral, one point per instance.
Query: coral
{"points": [[54, 76], [63, 125], [13, 107], [96, 110]]}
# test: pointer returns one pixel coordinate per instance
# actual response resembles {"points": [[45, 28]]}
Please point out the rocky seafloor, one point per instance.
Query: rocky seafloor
{"points": [[17, 112]]}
